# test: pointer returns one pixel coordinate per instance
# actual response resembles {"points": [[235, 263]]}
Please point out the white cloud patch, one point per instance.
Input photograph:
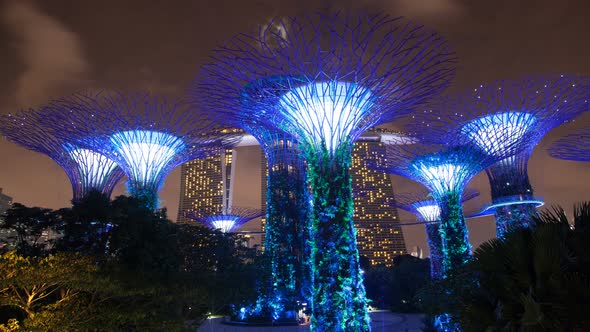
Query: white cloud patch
{"points": [[51, 54]]}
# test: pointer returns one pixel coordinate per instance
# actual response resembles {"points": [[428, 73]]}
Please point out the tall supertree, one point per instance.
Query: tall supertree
{"points": [[513, 111], [145, 135], [87, 170], [427, 210], [340, 74], [228, 220], [575, 146]]}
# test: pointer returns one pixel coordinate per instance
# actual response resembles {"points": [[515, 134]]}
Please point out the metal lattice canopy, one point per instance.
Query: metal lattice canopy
{"points": [[575, 146], [424, 206], [505, 113], [441, 168], [86, 169], [228, 220], [336, 75], [146, 135]]}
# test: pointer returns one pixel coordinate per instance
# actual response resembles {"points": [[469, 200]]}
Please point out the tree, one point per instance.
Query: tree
{"points": [[532, 280], [30, 225]]}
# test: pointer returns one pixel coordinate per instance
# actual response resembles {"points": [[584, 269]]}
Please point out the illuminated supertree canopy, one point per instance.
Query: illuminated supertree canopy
{"points": [[339, 75], [145, 135], [228, 220], [86, 169], [508, 112], [445, 169], [575, 146], [428, 211]]}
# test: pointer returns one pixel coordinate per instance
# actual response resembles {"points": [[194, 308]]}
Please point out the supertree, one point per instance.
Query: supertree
{"points": [[575, 146], [427, 210], [504, 112], [87, 170], [339, 75], [228, 220], [145, 135]]}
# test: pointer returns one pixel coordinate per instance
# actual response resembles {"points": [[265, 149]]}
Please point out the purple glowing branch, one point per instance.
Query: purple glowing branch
{"points": [[147, 136], [338, 75], [575, 146], [86, 169]]}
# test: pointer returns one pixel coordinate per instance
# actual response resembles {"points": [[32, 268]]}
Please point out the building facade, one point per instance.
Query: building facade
{"points": [[206, 186]]}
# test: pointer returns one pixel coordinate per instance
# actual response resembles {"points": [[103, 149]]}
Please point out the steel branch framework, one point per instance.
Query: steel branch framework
{"points": [[87, 170], [508, 112], [338, 75], [145, 135], [428, 211], [445, 169], [228, 221], [575, 146]]}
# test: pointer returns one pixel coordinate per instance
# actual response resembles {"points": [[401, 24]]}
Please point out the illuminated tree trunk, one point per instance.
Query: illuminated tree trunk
{"points": [[339, 302], [453, 231], [287, 232], [514, 216], [509, 182], [435, 248]]}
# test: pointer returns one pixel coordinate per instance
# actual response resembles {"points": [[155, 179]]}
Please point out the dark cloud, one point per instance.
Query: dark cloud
{"points": [[50, 53]]}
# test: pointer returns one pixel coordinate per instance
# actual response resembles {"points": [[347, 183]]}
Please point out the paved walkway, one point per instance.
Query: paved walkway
{"points": [[381, 321]]}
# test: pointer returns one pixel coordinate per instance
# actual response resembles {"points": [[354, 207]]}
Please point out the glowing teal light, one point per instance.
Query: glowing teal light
{"points": [[441, 178], [225, 224], [430, 212], [146, 153], [94, 168], [327, 112], [497, 132]]}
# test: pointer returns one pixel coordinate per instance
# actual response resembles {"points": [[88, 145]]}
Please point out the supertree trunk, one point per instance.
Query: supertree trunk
{"points": [[339, 302], [287, 232], [453, 230], [514, 216], [435, 248], [509, 182]]}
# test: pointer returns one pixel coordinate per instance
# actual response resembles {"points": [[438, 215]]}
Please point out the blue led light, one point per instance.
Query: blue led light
{"points": [[327, 111], [94, 168], [429, 212], [498, 132], [441, 178], [146, 152], [224, 223]]}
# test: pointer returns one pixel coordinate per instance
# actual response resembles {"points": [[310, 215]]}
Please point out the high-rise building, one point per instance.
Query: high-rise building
{"points": [[379, 234], [206, 185], [5, 202]]}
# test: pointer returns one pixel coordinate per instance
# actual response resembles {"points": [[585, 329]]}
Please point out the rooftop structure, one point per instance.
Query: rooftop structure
{"points": [[145, 135], [497, 116], [336, 76], [86, 169]]}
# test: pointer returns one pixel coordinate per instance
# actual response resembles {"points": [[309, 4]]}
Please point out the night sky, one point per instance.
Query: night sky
{"points": [[52, 48]]}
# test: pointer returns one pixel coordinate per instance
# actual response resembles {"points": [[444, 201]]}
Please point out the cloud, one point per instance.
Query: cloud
{"points": [[51, 54]]}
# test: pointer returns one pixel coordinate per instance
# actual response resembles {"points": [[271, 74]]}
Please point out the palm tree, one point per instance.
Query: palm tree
{"points": [[532, 280]]}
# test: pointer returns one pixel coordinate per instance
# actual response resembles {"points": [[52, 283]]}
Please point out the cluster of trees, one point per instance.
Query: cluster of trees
{"points": [[535, 279], [118, 266]]}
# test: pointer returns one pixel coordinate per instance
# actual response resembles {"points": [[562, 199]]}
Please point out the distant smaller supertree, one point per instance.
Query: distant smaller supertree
{"points": [[87, 170], [228, 220], [145, 135], [427, 211], [508, 112], [575, 146]]}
